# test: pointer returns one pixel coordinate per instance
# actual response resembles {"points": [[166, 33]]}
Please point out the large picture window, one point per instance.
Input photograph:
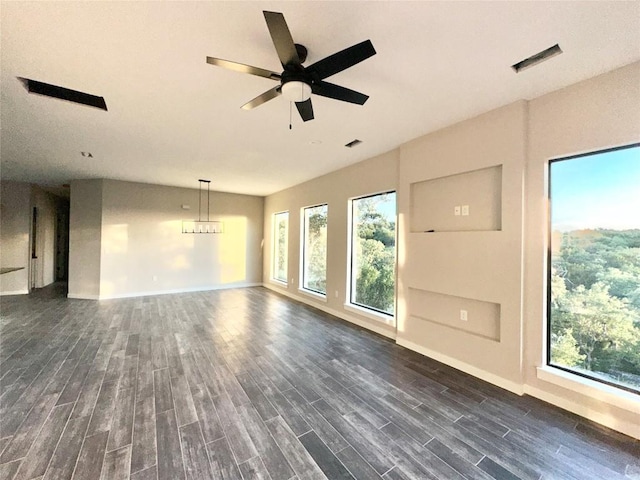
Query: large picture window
{"points": [[280, 246], [594, 266], [314, 264], [373, 252]]}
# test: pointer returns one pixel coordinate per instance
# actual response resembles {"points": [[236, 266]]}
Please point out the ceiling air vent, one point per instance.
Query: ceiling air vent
{"points": [[537, 58], [353, 143], [62, 93]]}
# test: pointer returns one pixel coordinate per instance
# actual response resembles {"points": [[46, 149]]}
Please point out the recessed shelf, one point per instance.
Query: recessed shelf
{"points": [[437, 204]]}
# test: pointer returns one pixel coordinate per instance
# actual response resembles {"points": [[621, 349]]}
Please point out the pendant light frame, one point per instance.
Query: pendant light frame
{"points": [[200, 225]]}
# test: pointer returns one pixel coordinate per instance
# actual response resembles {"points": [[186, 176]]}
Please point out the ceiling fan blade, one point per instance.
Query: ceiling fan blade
{"points": [[265, 97], [282, 39], [305, 109], [330, 90], [242, 68], [342, 60]]}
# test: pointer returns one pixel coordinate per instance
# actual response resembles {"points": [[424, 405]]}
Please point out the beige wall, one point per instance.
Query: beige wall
{"points": [[144, 252], [15, 224], [593, 115], [376, 175], [493, 268], [126, 240], [85, 226], [470, 262]]}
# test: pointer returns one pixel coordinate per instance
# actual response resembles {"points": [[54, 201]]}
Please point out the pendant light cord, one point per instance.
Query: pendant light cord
{"points": [[290, 115]]}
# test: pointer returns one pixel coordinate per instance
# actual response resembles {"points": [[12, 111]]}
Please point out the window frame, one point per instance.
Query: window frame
{"points": [[351, 278], [274, 248], [548, 273], [303, 248]]}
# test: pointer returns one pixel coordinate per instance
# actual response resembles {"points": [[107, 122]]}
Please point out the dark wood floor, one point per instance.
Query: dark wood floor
{"points": [[247, 384]]}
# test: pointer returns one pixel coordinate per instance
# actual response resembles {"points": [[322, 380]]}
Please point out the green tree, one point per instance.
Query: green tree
{"points": [[374, 246], [316, 250], [602, 326], [565, 350]]}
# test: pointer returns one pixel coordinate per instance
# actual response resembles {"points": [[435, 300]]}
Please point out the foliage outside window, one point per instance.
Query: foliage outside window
{"points": [[280, 245], [314, 267], [594, 277], [373, 252]]}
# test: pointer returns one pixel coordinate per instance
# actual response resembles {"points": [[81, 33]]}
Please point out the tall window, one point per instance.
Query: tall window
{"points": [[373, 252], [280, 245], [594, 274], [314, 265]]}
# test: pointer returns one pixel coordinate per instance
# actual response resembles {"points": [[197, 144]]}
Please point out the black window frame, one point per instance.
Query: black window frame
{"points": [[351, 258], [549, 265], [304, 250], [275, 245]]}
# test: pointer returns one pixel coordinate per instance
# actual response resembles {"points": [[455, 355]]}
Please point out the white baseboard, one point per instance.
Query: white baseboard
{"points": [[14, 292], [492, 378], [179, 290], [608, 420], [369, 325], [83, 296], [162, 292]]}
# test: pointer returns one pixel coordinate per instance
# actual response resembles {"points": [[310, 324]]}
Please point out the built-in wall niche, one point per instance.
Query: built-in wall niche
{"points": [[472, 316], [469, 201]]}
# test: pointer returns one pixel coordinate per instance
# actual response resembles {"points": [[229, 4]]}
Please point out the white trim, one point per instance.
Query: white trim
{"points": [[315, 295], [178, 290], [83, 296], [590, 388], [379, 329], [14, 292], [514, 387], [275, 281], [606, 419], [372, 314]]}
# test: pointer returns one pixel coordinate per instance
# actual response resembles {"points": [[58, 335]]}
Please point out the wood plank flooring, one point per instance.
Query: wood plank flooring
{"points": [[245, 384]]}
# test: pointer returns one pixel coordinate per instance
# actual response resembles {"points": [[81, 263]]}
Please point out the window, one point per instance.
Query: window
{"points": [[373, 252], [280, 246], [594, 266], [314, 264]]}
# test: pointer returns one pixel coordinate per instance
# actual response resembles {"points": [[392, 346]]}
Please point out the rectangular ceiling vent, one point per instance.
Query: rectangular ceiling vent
{"points": [[353, 143], [537, 58], [62, 93]]}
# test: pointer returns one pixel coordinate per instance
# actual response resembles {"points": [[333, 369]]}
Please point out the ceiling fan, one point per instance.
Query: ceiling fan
{"points": [[296, 82]]}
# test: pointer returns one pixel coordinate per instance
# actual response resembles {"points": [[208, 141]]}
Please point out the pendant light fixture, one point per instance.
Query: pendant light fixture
{"points": [[200, 225]]}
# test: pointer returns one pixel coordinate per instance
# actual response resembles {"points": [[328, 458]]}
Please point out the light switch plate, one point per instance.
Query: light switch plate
{"points": [[465, 210], [456, 210]]}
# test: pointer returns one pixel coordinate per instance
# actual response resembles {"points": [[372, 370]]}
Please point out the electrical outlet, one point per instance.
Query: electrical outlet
{"points": [[291, 279], [336, 293], [465, 210], [456, 210], [463, 315], [155, 278]]}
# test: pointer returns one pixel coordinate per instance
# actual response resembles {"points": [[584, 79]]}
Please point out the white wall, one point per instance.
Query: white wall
{"points": [[126, 240], [15, 224], [45, 238], [376, 175]]}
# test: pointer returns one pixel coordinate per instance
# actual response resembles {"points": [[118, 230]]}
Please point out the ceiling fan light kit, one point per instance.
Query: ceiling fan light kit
{"points": [[296, 91], [296, 82]]}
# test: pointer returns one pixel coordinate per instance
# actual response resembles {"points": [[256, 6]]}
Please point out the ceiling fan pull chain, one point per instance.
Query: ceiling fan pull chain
{"points": [[290, 116]]}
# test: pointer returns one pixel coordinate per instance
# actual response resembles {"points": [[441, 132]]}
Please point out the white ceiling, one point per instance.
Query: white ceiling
{"points": [[173, 118]]}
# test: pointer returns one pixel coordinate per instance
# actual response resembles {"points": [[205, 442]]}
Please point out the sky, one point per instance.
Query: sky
{"points": [[596, 191]]}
